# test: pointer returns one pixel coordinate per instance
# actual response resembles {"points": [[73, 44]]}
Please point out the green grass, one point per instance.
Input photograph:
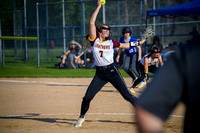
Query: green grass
{"points": [[19, 68], [33, 54], [46, 70]]}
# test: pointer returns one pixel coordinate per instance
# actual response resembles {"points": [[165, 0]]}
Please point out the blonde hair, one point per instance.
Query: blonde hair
{"points": [[73, 42], [85, 42]]}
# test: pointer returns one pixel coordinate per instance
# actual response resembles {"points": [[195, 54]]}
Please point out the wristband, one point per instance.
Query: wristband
{"points": [[146, 76], [133, 44]]}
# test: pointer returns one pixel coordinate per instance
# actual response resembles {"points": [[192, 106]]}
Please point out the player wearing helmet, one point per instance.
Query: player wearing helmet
{"points": [[149, 63], [132, 55]]}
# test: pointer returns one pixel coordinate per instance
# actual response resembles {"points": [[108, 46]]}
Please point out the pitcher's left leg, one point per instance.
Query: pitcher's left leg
{"points": [[118, 82]]}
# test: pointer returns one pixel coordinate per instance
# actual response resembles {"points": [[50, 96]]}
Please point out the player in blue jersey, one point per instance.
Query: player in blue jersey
{"points": [[132, 55]]}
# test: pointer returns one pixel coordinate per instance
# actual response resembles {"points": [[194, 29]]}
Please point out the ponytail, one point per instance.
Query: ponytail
{"points": [[85, 42]]}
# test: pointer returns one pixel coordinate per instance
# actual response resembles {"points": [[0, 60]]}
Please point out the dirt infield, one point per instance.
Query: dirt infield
{"points": [[52, 105]]}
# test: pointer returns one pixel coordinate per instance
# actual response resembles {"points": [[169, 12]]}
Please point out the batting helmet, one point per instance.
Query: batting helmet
{"points": [[126, 30], [154, 48]]}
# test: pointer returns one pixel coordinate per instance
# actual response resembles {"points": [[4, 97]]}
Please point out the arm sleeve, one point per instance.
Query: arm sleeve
{"points": [[116, 44], [92, 40], [164, 92]]}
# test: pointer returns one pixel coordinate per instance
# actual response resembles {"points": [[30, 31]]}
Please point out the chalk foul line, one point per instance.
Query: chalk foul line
{"points": [[67, 114], [45, 82]]}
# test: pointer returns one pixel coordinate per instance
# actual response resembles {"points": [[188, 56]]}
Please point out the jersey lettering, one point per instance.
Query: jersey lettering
{"points": [[102, 46]]}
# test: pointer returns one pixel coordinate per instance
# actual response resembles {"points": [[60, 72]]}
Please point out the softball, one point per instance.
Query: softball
{"points": [[103, 2]]}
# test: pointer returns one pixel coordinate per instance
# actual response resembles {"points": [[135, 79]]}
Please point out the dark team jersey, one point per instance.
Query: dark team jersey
{"points": [[177, 80]]}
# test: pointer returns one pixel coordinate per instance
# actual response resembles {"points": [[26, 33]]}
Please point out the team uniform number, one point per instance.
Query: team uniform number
{"points": [[101, 53], [131, 51]]}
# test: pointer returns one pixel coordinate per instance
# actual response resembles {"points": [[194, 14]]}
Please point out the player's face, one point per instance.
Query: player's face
{"points": [[156, 41], [105, 31], [73, 45], [156, 54], [127, 34]]}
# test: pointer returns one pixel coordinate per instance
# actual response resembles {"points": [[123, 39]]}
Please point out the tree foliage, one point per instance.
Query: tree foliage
{"points": [[117, 12]]}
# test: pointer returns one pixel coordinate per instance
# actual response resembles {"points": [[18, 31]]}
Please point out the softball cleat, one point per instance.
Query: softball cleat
{"points": [[79, 122]]}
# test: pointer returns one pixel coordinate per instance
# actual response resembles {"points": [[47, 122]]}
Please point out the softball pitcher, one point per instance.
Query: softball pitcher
{"points": [[105, 70]]}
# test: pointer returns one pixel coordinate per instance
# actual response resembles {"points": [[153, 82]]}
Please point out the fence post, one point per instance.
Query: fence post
{"points": [[38, 35], [154, 18], [25, 26], [47, 28], [3, 53], [64, 34], [104, 14], [83, 26], [141, 6], [0, 44]]}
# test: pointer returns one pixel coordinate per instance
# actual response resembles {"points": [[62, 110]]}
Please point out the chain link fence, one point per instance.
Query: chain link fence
{"points": [[61, 22]]}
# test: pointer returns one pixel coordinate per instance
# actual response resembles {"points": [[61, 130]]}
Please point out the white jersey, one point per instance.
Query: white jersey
{"points": [[151, 61], [103, 51]]}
